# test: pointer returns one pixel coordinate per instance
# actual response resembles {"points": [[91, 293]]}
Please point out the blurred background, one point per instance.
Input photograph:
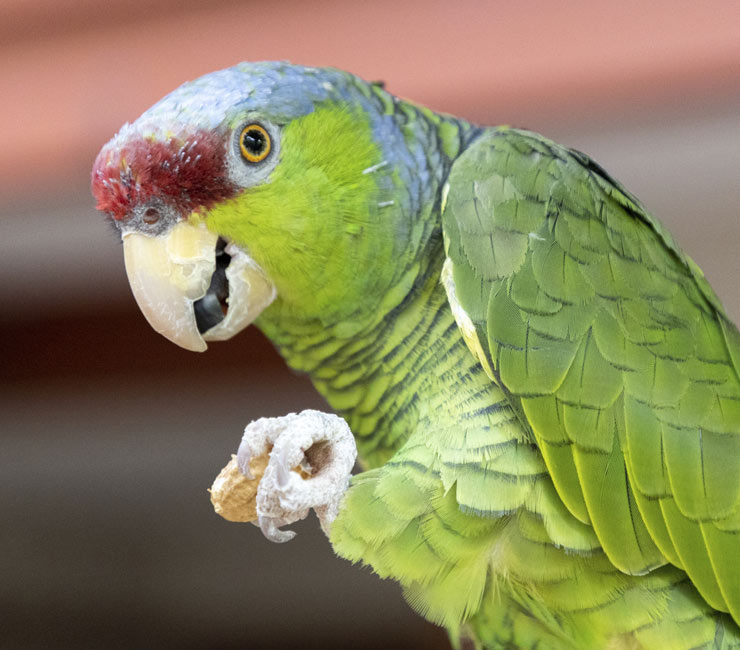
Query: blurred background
{"points": [[110, 435]]}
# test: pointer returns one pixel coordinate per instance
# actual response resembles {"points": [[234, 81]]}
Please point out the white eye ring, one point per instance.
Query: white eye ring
{"points": [[245, 168]]}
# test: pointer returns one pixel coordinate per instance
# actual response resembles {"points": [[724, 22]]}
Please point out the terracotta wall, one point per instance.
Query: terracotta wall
{"points": [[73, 71]]}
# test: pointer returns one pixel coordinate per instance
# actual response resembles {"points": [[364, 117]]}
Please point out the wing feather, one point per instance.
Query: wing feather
{"points": [[612, 348]]}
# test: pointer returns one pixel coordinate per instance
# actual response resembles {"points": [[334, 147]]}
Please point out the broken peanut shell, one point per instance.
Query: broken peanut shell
{"points": [[234, 496]]}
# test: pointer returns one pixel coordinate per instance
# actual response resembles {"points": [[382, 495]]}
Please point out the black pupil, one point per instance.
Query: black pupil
{"points": [[254, 141]]}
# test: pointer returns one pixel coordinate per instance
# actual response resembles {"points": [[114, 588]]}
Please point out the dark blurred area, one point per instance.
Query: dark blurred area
{"points": [[110, 540], [110, 435]]}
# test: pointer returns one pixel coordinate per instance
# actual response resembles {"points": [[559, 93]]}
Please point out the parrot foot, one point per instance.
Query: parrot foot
{"points": [[311, 459]]}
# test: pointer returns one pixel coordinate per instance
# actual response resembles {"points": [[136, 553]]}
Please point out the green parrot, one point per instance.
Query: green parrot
{"points": [[543, 388]]}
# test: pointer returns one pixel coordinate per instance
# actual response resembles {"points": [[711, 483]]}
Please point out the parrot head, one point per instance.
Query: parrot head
{"points": [[264, 187]]}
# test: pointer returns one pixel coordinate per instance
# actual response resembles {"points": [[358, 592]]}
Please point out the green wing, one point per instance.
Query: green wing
{"points": [[612, 349]]}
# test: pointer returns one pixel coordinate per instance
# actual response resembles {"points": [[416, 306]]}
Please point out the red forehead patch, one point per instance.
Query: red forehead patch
{"points": [[187, 173]]}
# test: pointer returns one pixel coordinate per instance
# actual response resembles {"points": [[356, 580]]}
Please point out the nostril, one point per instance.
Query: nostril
{"points": [[151, 216]]}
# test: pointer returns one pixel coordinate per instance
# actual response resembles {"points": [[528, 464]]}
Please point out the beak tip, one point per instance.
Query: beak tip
{"points": [[167, 274], [200, 348], [187, 338]]}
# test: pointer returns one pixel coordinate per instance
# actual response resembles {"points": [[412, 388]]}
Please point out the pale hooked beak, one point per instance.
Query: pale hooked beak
{"points": [[169, 273]]}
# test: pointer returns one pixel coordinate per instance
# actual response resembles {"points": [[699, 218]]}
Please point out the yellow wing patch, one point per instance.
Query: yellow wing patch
{"points": [[464, 322]]}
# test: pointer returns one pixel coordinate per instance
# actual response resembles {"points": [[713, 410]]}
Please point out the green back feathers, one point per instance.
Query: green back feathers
{"points": [[614, 350]]}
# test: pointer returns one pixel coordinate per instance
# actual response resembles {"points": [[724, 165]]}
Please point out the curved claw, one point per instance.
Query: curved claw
{"points": [[243, 456], [283, 498], [272, 532], [283, 471]]}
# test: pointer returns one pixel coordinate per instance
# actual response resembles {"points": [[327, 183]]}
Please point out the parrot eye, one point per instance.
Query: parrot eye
{"points": [[254, 150], [254, 143]]}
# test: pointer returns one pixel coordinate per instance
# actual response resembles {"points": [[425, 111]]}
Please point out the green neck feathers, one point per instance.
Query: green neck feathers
{"points": [[351, 234]]}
